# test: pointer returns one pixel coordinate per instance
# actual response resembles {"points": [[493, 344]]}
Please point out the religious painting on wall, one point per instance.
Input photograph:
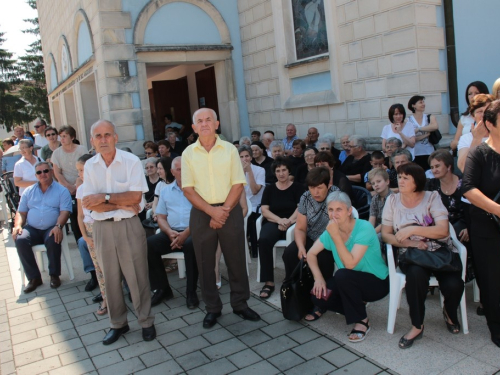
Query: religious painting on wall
{"points": [[309, 28]]}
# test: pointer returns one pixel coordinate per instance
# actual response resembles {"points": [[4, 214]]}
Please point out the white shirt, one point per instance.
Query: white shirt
{"points": [[408, 131], [87, 215], [41, 140], [123, 174], [467, 122], [422, 147], [159, 187], [24, 169], [466, 140], [259, 175]]}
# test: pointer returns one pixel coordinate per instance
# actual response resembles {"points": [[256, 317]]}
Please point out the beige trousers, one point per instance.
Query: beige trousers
{"points": [[122, 252]]}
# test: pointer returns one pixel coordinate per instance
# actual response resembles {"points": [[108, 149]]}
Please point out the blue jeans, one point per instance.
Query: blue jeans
{"points": [[88, 265]]}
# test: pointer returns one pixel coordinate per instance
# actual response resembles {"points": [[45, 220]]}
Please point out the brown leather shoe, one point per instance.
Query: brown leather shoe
{"points": [[32, 285], [55, 282]]}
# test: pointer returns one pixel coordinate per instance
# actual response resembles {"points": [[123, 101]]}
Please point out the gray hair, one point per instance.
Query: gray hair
{"points": [[360, 141], [177, 159], [328, 137], [27, 142], [244, 139], [151, 161], [291, 125], [99, 122], [339, 196], [277, 144], [395, 141], [243, 148], [344, 136], [43, 162], [201, 110], [404, 152]]}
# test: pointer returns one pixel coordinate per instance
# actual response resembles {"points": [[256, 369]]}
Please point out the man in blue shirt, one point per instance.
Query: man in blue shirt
{"points": [[8, 162], [40, 218], [173, 213]]}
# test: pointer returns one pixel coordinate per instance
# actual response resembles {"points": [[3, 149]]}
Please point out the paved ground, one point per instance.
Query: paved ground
{"points": [[57, 331]]}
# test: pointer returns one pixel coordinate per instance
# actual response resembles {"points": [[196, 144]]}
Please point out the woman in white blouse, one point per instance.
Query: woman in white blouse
{"points": [[398, 128]]}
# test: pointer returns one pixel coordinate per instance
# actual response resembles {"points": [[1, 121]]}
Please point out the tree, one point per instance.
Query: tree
{"points": [[12, 107], [33, 87]]}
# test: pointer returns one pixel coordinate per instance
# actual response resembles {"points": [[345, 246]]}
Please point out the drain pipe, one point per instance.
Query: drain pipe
{"points": [[452, 61]]}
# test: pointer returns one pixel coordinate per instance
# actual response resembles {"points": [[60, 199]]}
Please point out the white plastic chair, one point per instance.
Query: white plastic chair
{"points": [[290, 236], [397, 281], [39, 249], [4, 207], [179, 255], [477, 295]]}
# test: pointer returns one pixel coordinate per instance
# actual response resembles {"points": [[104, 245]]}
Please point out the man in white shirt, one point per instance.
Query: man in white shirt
{"points": [[40, 140], [113, 191]]}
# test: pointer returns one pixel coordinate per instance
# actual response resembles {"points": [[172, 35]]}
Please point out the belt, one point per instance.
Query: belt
{"points": [[118, 218], [217, 204]]}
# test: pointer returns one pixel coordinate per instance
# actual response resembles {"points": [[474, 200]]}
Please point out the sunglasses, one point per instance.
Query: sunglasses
{"points": [[149, 153], [38, 126], [45, 171], [50, 135], [324, 148]]}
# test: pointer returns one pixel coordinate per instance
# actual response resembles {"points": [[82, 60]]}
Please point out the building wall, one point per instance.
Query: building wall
{"points": [[382, 52], [476, 47]]}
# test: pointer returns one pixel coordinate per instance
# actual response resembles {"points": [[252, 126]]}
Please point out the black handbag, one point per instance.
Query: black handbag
{"points": [[442, 259], [435, 136], [295, 293]]}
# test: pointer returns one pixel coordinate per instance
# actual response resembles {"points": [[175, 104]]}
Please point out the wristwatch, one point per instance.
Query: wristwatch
{"points": [[107, 197], [59, 226]]}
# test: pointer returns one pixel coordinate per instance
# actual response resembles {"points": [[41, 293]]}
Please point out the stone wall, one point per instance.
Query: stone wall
{"points": [[388, 51]]}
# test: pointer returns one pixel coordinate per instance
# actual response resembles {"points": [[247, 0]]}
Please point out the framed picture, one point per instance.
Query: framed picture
{"points": [[309, 28]]}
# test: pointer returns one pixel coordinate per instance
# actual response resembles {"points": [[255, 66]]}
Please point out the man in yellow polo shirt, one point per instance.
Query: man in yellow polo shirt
{"points": [[212, 180]]}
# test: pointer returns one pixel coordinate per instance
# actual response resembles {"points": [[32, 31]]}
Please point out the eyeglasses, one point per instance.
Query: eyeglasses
{"points": [[45, 171], [149, 153], [50, 135], [38, 126], [324, 148]]}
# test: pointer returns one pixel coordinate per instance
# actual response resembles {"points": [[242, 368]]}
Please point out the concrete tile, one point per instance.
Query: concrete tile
{"points": [[62, 347], [52, 319], [40, 366], [6, 356], [218, 335], [282, 328], [54, 328], [84, 319], [74, 296], [315, 348], [20, 319], [68, 291], [262, 308], [125, 367], [261, 368], [340, 357], [303, 335], [272, 317], [107, 359], [169, 367], [245, 326], [193, 330], [221, 366], [169, 326], [51, 311], [244, 358], [84, 310], [155, 357], [99, 348], [76, 368], [286, 360], [64, 335], [26, 310], [178, 312], [25, 327], [21, 337], [223, 349], [138, 349], [50, 303], [275, 346], [361, 366], [254, 338], [171, 338], [187, 346], [314, 366], [73, 356], [32, 345], [228, 319], [8, 368], [28, 357], [195, 318], [92, 327], [488, 354], [92, 338], [192, 360], [471, 365]]}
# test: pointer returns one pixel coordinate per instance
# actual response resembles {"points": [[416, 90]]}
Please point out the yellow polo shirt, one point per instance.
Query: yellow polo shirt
{"points": [[212, 174]]}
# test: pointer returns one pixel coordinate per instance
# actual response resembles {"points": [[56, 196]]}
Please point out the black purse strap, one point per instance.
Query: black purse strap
{"points": [[297, 270]]}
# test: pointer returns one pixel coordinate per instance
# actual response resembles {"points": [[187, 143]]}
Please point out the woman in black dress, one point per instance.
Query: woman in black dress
{"points": [[481, 184], [279, 208]]}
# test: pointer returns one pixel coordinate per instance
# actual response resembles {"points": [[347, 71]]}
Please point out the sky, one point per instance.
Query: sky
{"points": [[12, 14]]}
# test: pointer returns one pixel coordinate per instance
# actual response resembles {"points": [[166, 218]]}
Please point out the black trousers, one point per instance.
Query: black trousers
{"points": [[252, 230], [75, 228], [232, 242], [269, 235], [423, 161], [31, 237], [487, 267], [159, 245], [291, 259], [350, 290], [417, 286]]}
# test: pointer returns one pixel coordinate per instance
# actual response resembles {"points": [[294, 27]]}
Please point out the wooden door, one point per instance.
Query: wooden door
{"points": [[207, 89], [171, 97]]}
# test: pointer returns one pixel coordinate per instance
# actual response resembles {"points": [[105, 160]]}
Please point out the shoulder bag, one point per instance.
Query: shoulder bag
{"points": [[442, 259], [295, 298], [435, 136]]}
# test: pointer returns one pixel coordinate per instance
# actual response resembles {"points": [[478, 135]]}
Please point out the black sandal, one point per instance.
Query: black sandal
{"points": [[314, 312], [361, 335], [452, 328], [268, 289], [407, 343]]}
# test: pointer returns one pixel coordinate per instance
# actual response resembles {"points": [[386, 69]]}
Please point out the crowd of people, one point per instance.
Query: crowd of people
{"points": [[197, 186]]}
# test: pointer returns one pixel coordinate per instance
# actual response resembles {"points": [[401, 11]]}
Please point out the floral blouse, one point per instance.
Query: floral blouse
{"points": [[452, 202]]}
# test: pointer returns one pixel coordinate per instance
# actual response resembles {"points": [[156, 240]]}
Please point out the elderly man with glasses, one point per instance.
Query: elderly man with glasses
{"points": [[40, 218], [357, 164]]}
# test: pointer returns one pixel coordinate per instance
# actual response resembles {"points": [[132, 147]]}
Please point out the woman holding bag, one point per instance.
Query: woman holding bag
{"points": [[417, 218]]}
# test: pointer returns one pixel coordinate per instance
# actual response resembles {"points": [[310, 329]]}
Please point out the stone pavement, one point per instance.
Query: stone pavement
{"points": [[58, 332]]}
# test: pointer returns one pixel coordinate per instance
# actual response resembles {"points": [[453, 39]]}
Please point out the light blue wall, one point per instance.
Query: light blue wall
{"points": [[84, 43], [229, 11], [312, 83], [181, 24], [476, 28]]}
